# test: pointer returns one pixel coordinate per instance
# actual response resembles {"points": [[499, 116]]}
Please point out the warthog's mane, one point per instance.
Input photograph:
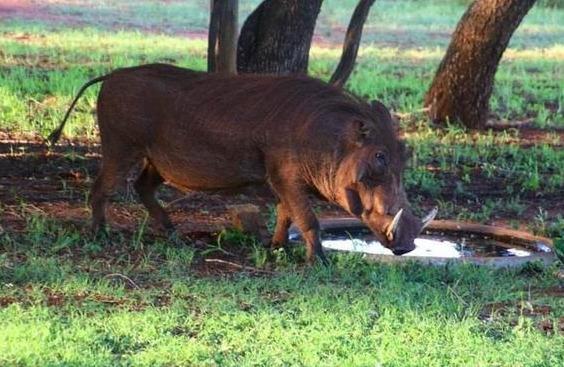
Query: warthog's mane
{"points": [[291, 106]]}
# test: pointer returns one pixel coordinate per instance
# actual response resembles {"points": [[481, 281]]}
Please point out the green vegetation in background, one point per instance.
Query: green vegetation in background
{"points": [[43, 69], [44, 63]]}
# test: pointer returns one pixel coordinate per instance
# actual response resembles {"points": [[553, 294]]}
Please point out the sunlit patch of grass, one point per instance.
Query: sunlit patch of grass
{"points": [[553, 52], [147, 305], [422, 54]]}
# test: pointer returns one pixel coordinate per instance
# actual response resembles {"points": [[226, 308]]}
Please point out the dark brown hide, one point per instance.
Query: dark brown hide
{"points": [[202, 131]]}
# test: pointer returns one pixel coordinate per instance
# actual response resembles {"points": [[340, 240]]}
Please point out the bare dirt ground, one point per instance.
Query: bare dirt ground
{"points": [[56, 182]]}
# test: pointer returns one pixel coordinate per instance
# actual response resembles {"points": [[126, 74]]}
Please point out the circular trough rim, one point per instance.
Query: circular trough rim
{"points": [[505, 235]]}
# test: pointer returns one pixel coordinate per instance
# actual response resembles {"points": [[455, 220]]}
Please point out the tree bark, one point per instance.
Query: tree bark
{"points": [[276, 37], [464, 80], [222, 36], [352, 41]]}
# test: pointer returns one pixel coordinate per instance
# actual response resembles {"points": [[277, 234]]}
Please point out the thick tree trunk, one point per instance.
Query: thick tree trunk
{"points": [[463, 84], [222, 36], [276, 37], [352, 41]]}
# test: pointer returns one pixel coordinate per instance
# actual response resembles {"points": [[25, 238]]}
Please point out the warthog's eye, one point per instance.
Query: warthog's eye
{"points": [[381, 159]]}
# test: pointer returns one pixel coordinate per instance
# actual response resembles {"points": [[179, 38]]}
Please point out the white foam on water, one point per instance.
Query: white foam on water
{"points": [[518, 253], [424, 247]]}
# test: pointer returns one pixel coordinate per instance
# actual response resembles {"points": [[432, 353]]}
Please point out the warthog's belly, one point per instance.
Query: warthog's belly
{"points": [[203, 171]]}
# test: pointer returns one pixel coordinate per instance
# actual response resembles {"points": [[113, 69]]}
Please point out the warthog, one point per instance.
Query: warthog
{"points": [[206, 132]]}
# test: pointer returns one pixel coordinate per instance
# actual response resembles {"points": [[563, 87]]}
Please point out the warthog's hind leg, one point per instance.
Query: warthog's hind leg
{"points": [[113, 172], [146, 186]]}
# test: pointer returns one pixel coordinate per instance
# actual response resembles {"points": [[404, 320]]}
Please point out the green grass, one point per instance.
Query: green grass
{"points": [[73, 305], [68, 299]]}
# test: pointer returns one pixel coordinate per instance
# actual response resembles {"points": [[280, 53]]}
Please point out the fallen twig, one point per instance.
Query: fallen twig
{"points": [[118, 275], [405, 115], [36, 209], [507, 124], [239, 266], [170, 204]]}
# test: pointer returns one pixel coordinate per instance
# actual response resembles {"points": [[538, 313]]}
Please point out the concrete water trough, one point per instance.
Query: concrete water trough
{"points": [[443, 241]]}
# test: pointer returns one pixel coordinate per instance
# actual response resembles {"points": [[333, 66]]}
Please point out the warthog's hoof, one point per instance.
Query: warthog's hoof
{"points": [[278, 254], [318, 257]]}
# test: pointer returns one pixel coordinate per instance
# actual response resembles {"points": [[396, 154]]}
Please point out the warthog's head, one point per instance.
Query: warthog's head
{"points": [[369, 182]]}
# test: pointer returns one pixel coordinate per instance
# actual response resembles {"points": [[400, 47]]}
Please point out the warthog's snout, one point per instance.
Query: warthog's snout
{"points": [[403, 229], [405, 250]]}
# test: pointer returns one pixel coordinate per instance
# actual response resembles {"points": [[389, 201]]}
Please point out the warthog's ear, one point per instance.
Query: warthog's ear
{"points": [[382, 113], [359, 131], [353, 201], [405, 152]]}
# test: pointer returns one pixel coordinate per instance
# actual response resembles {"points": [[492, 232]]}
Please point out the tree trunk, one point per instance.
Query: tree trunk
{"points": [[463, 84], [222, 36], [276, 37], [352, 41]]}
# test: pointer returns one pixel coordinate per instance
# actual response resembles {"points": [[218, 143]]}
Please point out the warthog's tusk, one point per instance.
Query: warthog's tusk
{"points": [[395, 222], [429, 218]]}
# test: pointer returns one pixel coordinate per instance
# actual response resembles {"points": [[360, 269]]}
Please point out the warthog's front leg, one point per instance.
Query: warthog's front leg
{"points": [[295, 199], [283, 222]]}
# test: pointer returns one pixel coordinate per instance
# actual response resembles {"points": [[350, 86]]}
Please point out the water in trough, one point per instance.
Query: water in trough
{"points": [[358, 238]]}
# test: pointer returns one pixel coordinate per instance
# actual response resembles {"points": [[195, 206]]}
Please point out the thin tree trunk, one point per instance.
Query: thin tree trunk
{"points": [[222, 36], [276, 37], [464, 80], [352, 41]]}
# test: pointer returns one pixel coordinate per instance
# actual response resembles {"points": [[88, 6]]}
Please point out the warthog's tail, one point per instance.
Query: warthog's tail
{"points": [[55, 135]]}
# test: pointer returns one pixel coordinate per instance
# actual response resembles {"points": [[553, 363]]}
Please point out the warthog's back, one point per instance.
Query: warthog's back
{"points": [[209, 131]]}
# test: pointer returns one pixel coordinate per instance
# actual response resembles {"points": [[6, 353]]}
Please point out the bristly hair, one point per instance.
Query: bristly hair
{"points": [[279, 98], [259, 101]]}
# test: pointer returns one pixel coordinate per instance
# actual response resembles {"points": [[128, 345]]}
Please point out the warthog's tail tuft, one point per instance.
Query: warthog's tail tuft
{"points": [[55, 135]]}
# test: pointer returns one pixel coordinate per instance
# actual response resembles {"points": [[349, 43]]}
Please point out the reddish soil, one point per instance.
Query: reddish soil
{"points": [[15, 7], [55, 183], [47, 12], [542, 315]]}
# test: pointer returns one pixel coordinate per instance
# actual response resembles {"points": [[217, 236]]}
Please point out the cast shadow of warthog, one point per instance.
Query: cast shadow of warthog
{"points": [[55, 182]]}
